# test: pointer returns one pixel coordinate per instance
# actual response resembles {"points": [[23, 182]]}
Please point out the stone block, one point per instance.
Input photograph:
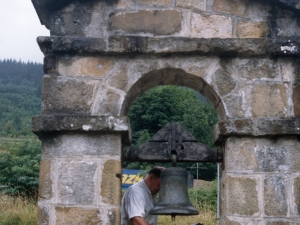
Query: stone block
{"points": [[252, 30], [42, 215], [114, 216], [45, 182], [236, 104], [273, 104], [84, 66], [120, 79], [76, 216], [110, 102], [157, 22], [240, 155], [82, 145], [296, 195], [276, 196], [76, 182], [213, 26], [242, 196], [296, 100], [111, 182], [192, 4], [224, 81], [156, 2], [236, 7], [62, 95], [260, 106], [256, 68], [287, 27], [262, 154]]}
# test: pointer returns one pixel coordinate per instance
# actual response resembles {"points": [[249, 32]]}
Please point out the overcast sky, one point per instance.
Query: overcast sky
{"points": [[19, 28]]}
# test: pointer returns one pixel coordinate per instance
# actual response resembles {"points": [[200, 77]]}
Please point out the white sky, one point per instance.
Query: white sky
{"points": [[19, 28]]}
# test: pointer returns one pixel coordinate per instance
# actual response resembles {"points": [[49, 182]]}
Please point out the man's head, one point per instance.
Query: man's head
{"points": [[152, 180]]}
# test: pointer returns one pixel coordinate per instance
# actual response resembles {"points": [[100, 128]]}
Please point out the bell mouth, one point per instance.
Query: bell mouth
{"points": [[174, 210]]}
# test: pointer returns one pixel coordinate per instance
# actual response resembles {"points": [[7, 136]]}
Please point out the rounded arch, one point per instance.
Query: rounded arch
{"points": [[173, 76]]}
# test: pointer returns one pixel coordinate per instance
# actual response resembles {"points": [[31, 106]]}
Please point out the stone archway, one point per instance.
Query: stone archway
{"points": [[242, 55]]}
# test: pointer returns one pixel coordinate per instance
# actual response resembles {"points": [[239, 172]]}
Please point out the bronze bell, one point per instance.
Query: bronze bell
{"points": [[173, 196]]}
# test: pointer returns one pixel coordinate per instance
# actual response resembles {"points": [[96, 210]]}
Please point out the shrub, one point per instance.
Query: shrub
{"points": [[19, 168], [206, 196]]}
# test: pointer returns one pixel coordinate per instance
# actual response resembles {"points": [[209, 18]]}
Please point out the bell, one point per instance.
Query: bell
{"points": [[173, 196]]}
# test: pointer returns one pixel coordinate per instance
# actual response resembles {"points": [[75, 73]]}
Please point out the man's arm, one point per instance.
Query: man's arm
{"points": [[138, 221]]}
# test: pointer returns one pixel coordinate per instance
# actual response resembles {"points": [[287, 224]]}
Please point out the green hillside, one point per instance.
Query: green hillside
{"points": [[20, 96]]}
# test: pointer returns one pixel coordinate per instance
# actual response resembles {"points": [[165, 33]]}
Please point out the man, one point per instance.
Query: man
{"points": [[140, 198]]}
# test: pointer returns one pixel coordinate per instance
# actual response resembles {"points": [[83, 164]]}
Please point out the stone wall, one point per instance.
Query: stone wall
{"points": [[241, 54]]}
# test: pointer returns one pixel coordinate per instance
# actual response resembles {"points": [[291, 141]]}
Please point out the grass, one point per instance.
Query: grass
{"points": [[206, 217], [21, 211], [17, 211]]}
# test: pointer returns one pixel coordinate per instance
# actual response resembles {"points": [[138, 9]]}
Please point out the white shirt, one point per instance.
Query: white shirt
{"points": [[138, 201]]}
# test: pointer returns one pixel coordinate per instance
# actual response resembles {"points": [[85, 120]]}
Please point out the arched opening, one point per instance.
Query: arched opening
{"points": [[172, 95], [173, 76]]}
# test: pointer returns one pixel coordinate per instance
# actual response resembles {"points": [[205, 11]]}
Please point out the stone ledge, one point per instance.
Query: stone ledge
{"points": [[151, 45], [65, 123], [259, 127]]}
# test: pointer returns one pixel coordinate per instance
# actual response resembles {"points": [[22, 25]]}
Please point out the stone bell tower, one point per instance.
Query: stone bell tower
{"points": [[243, 55]]}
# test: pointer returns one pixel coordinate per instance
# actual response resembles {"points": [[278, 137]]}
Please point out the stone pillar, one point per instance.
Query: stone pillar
{"points": [[80, 174], [260, 178]]}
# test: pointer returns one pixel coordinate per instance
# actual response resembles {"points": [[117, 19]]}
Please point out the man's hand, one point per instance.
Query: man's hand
{"points": [[138, 221]]}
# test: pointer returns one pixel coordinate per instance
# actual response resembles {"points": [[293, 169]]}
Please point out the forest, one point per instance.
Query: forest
{"points": [[20, 99]]}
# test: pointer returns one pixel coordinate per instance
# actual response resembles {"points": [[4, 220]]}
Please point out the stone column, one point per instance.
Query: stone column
{"points": [[80, 174], [260, 178]]}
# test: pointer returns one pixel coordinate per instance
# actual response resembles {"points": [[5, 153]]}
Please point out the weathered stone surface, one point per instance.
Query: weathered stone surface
{"points": [[296, 100], [42, 215], [274, 103], [109, 104], [84, 66], [228, 222], [276, 196], [82, 144], [201, 46], [252, 30], [124, 4], [75, 216], [155, 2], [296, 193], [76, 182], [120, 79], [65, 95], [236, 7], [192, 4], [240, 155], [279, 223], [158, 22], [213, 26], [114, 216], [262, 154], [257, 68], [287, 27], [225, 82], [45, 182], [111, 182], [56, 123], [242, 196], [236, 105], [260, 127], [50, 63]]}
